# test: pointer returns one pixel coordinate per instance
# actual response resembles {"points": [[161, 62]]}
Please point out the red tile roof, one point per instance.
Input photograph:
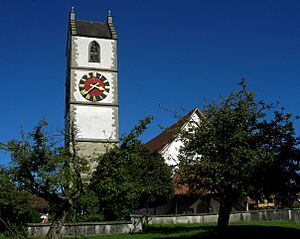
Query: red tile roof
{"points": [[179, 189], [41, 203]]}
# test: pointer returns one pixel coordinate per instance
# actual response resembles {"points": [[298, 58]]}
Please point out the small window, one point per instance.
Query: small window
{"points": [[94, 52]]}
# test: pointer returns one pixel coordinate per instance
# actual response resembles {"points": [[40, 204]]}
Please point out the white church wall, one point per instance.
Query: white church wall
{"points": [[107, 53], [171, 151], [95, 122]]}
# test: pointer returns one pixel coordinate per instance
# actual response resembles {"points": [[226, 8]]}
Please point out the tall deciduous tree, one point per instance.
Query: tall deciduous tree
{"points": [[235, 143], [47, 171], [130, 177]]}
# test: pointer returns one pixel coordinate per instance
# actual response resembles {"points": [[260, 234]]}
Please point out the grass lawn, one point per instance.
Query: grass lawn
{"points": [[240, 230]]}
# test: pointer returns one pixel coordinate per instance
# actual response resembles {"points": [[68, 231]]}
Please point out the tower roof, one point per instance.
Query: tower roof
{"points": [[92, 29]]}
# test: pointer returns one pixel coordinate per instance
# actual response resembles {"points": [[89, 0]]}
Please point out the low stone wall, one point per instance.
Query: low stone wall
{"points": [[84, 229], [183, 219], [260, 215], [296, 216], [102, 228]]}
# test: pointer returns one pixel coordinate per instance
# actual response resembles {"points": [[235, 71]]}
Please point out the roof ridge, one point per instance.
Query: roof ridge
{"points": [[162, 139]]}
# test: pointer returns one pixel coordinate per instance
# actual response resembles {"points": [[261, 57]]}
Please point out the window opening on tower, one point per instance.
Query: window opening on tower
{"points": [[94, 52]]}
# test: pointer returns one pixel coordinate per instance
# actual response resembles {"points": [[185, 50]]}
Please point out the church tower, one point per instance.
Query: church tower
{"points": [[92, 85]]}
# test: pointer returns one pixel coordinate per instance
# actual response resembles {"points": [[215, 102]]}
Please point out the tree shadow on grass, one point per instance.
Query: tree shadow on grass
{"points": [[233, 232]]}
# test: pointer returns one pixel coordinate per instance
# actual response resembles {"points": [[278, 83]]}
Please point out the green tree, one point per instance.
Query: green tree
{"points": [[130, 177], [86, 208], [278, 178], [234, 143], [50, 172], [16, 205]]}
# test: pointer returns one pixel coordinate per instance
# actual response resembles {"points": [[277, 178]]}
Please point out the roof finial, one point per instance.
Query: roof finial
{"points": [[72, 14], [109, 17]]}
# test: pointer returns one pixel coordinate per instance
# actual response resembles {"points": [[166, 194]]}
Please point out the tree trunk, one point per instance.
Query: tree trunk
{"points": [[55, 230], [224, 213]]}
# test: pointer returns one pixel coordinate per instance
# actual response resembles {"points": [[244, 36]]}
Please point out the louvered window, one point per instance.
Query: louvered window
{"points": [[94, 52]]}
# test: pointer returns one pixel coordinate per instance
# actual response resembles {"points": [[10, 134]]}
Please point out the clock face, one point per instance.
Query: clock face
{"points": [[94, 86]]}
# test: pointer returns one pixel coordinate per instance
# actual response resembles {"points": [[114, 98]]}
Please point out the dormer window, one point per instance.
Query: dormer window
{"points": [[94, 52]]}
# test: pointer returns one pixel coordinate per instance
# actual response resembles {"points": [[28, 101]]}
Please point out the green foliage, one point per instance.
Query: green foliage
{"points": [[16, 205], [47, 171], [237, 150], [86, 209], [129, 177], [220, 153], [279, 175], [40, 166], [15, 231], [34, 162]]}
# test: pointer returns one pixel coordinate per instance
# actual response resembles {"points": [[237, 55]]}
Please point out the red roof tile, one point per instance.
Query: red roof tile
{"points": [[41, 203]]}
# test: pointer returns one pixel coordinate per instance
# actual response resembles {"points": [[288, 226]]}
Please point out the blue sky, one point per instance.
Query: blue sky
{"points": [[170, 53]]}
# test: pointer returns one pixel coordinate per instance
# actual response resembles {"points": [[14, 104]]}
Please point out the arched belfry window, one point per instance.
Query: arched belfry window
{"points": [[94, 52]]}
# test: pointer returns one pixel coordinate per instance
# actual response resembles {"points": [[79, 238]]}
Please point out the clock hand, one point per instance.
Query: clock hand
{"points": [[95, 85], [99, 87], [92, 87]]}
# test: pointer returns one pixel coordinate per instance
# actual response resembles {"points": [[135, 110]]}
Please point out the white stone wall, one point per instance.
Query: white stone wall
{"points": [[86, 229], [107, 55], [263, 215], [95, 122]]}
